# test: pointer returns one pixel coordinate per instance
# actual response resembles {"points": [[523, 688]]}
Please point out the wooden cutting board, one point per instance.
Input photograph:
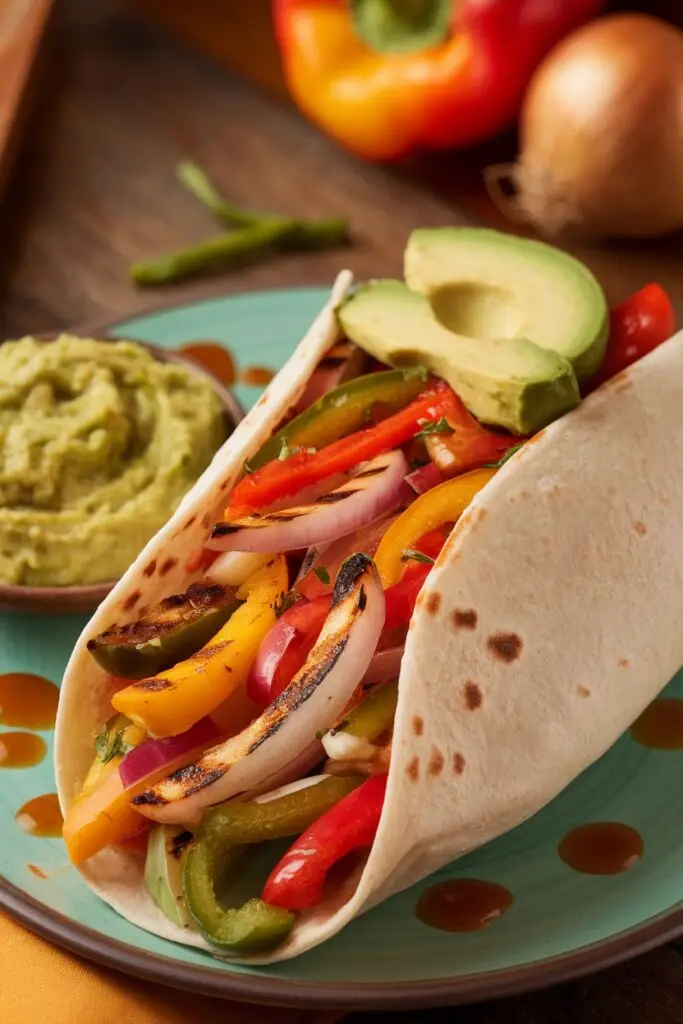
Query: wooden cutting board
{"points": [[22, 30]]}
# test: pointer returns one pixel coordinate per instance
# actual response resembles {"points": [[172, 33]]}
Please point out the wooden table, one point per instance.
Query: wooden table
{"points": [[95, 189]]}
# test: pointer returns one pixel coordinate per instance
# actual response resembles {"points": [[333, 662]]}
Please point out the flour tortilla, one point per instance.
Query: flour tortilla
{"points": [[549, 622]]}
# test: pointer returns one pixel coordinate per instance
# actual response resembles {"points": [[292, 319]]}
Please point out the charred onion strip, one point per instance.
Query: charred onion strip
{"points": [[312, 702], [375, 490]]}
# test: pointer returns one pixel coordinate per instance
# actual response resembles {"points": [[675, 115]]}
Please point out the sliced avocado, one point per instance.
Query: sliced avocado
{"points": [[488, 285], [509, 382], [166, 853]]}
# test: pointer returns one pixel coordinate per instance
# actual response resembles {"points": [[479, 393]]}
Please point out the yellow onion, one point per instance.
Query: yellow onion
{"points": [[602, 133]]}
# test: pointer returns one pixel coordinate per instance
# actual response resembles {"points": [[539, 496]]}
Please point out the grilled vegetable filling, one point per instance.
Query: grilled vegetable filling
{"points": [[239, 693]]}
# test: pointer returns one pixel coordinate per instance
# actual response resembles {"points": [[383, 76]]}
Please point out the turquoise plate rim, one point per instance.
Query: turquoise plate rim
{"points": [[211, 981]]}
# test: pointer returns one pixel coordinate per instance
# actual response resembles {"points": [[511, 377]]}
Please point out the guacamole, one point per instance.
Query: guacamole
{"points": [[99, 442]]}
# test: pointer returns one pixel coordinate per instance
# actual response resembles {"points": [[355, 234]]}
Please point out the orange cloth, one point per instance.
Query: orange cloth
{"points": [[41, 984]]}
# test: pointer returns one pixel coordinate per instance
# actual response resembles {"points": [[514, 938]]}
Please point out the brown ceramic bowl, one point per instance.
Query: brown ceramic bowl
{"points": [[87, 598]]}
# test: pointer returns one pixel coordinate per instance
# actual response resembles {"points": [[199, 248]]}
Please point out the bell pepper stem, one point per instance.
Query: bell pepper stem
{"points": [[401, 26]]}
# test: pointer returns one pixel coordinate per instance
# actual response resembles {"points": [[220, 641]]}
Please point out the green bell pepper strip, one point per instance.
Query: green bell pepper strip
{"points": [[373, 716], [170, 632], [215, 850], [343, 411]]}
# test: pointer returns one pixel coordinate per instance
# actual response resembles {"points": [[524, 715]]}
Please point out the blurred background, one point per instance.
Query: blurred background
{"points": [[100, 101]]}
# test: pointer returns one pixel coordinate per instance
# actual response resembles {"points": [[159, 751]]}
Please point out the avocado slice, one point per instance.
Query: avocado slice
{"points": [[487, 285], [166, 851], [508, 382]]}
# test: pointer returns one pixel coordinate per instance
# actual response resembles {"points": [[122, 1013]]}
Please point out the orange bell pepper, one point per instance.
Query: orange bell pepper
{"points": [[442, 504], [103, 815], [384, 77], [172, 702]]}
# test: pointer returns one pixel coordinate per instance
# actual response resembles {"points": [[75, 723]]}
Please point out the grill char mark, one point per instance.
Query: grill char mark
{"points": [[194, 777]]}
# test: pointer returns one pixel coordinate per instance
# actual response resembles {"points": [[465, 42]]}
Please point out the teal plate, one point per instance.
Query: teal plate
{"points": [[561, 924]]}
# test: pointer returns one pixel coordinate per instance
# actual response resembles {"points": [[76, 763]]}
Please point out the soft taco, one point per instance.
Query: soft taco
{"points": [[402, 609]]}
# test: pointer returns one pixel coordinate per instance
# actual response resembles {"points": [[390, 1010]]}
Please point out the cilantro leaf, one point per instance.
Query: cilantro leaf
{"points": [[284, 602], [440, 426], [109, 745], [322, 574], [411, 555], [504, 458]]}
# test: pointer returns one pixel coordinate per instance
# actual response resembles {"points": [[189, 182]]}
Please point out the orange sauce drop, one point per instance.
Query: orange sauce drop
{"points": [[463, 905], [258, 376], [602, 848], [38, 872], [41, 816], [213, 357], [21, 749], [27, 701], [660, 727]]}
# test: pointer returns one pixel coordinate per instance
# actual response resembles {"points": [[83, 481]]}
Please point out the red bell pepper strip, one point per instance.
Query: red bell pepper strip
{"points": [[456, 75], [297, 881], [637, 326], [471, 444], [307, 619], [279, 479], [401, 597]]}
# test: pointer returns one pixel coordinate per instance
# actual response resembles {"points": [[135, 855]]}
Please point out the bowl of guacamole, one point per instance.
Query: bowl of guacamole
{"points": [[99, 442]]}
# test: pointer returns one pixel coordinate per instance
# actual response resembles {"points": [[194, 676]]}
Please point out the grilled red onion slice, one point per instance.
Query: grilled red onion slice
{"points": [[312, 702], [424, 478], [374, 490], [154, 754], [385, 666], [343, 362]]}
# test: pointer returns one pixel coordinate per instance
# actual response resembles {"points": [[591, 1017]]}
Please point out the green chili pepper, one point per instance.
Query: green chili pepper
{"points": [[171, 631], [343, 411], [373, 716], [215, 851]]}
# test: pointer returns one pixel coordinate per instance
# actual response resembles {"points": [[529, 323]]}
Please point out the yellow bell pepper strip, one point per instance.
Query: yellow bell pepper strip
{"points": [[386, 77], [171, 703], [443, 504], [103, 815], [118, 736]]}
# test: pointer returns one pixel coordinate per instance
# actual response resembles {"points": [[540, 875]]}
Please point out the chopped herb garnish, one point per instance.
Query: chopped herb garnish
{"points": [[285, 451], [322, 574], [284, 602], [411, 555], [108, 746], [504, 458], [440, 426]]}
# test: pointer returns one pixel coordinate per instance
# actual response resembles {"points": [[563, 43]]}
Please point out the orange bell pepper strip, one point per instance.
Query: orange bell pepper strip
{"points": [[102, 815], [172, 702], [442, 504], [385, 78]]}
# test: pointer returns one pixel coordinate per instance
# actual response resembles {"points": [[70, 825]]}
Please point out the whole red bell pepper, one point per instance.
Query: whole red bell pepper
{"points": [[297, 881], [385, 78]]}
